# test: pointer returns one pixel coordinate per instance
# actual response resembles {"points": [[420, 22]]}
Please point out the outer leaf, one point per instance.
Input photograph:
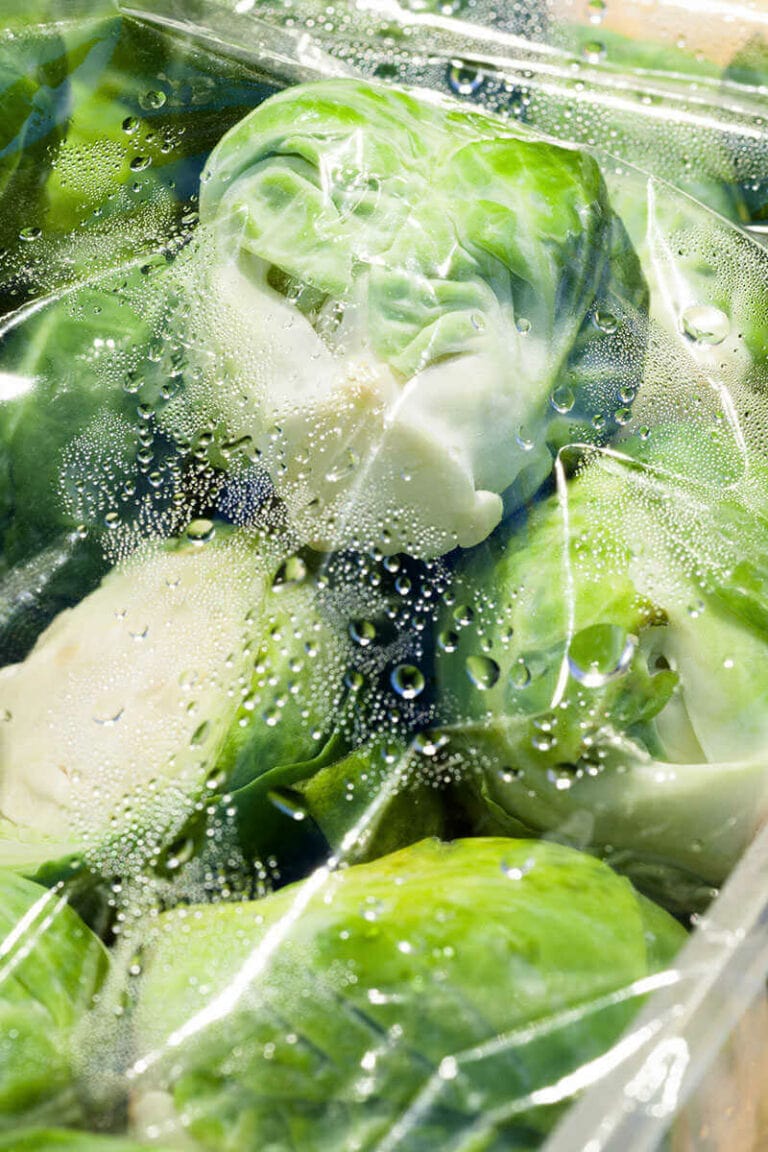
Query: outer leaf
{"points": [[416, 1000]]}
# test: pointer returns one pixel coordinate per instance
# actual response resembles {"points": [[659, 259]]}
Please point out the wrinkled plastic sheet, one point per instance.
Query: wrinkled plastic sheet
{"points": [[303, 805]]}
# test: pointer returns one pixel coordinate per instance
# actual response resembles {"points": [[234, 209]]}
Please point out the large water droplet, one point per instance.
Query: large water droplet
{"points": [[153, 99], [464, 79], [594, 51], [288, 802], [363, 632], [408, 681], [200, 531], [448, 640], [705, 324], [600, 653], [292, 571], [562, 399], [482, 672]]}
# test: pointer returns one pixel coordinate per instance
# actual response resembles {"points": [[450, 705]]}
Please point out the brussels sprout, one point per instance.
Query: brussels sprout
{"points": [[413, 1003], [118, 713], [52, 966], [156, 688], [364, 254], [610, 687]]}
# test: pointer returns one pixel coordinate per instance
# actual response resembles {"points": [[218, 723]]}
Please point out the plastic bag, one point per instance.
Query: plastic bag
{"points": [[382, 602]]}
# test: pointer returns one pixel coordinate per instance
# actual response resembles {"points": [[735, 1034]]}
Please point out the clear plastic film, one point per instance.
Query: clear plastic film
{"points": [[382, 596]]}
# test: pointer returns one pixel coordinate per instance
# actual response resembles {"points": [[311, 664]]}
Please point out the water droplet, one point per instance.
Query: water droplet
{"points": [[448, 640], [517, 869], [429, 743], [372, 908], [139, 163], [606, 322], [463, 614], [109, 719], [200, 531], [705, 324], [153, 99], [363, 632], [562, 399], [180, 853], [524, 439], [200, 733], [599, 654], [520, 675], [464, 79], [482, 672], [523, 325], [288, 802], [343, 468], [622, 415], [130, 124], [596, 9], [30, 234], [292, 571], [695, 610], [594, 51], [408, 681]]}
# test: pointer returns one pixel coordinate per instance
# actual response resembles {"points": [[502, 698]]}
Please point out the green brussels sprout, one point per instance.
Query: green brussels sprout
{"points": [[159, 689], [607, 683], [116, 716], [52, 967], [415, 1002], [363, 254]]}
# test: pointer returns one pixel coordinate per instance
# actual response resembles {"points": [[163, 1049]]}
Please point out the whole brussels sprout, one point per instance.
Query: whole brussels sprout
{"points": [[415, 1002]]}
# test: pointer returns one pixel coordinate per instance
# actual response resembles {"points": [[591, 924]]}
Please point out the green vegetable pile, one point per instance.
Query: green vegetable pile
{"points": [[383, 603]]}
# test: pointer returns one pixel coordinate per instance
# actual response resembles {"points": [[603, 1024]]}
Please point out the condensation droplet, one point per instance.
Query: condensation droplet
{"points": [[363, 632], [463, 614], [292, 571], [200, 531], [520, 674], [606, 322], [599, 654], [109, 720], [516, 869], [705, 324], [464, 79], [594, 51], [153, 99], [448, 640], [408, 681], [482, 672], [288, 803], [562, 399]]}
